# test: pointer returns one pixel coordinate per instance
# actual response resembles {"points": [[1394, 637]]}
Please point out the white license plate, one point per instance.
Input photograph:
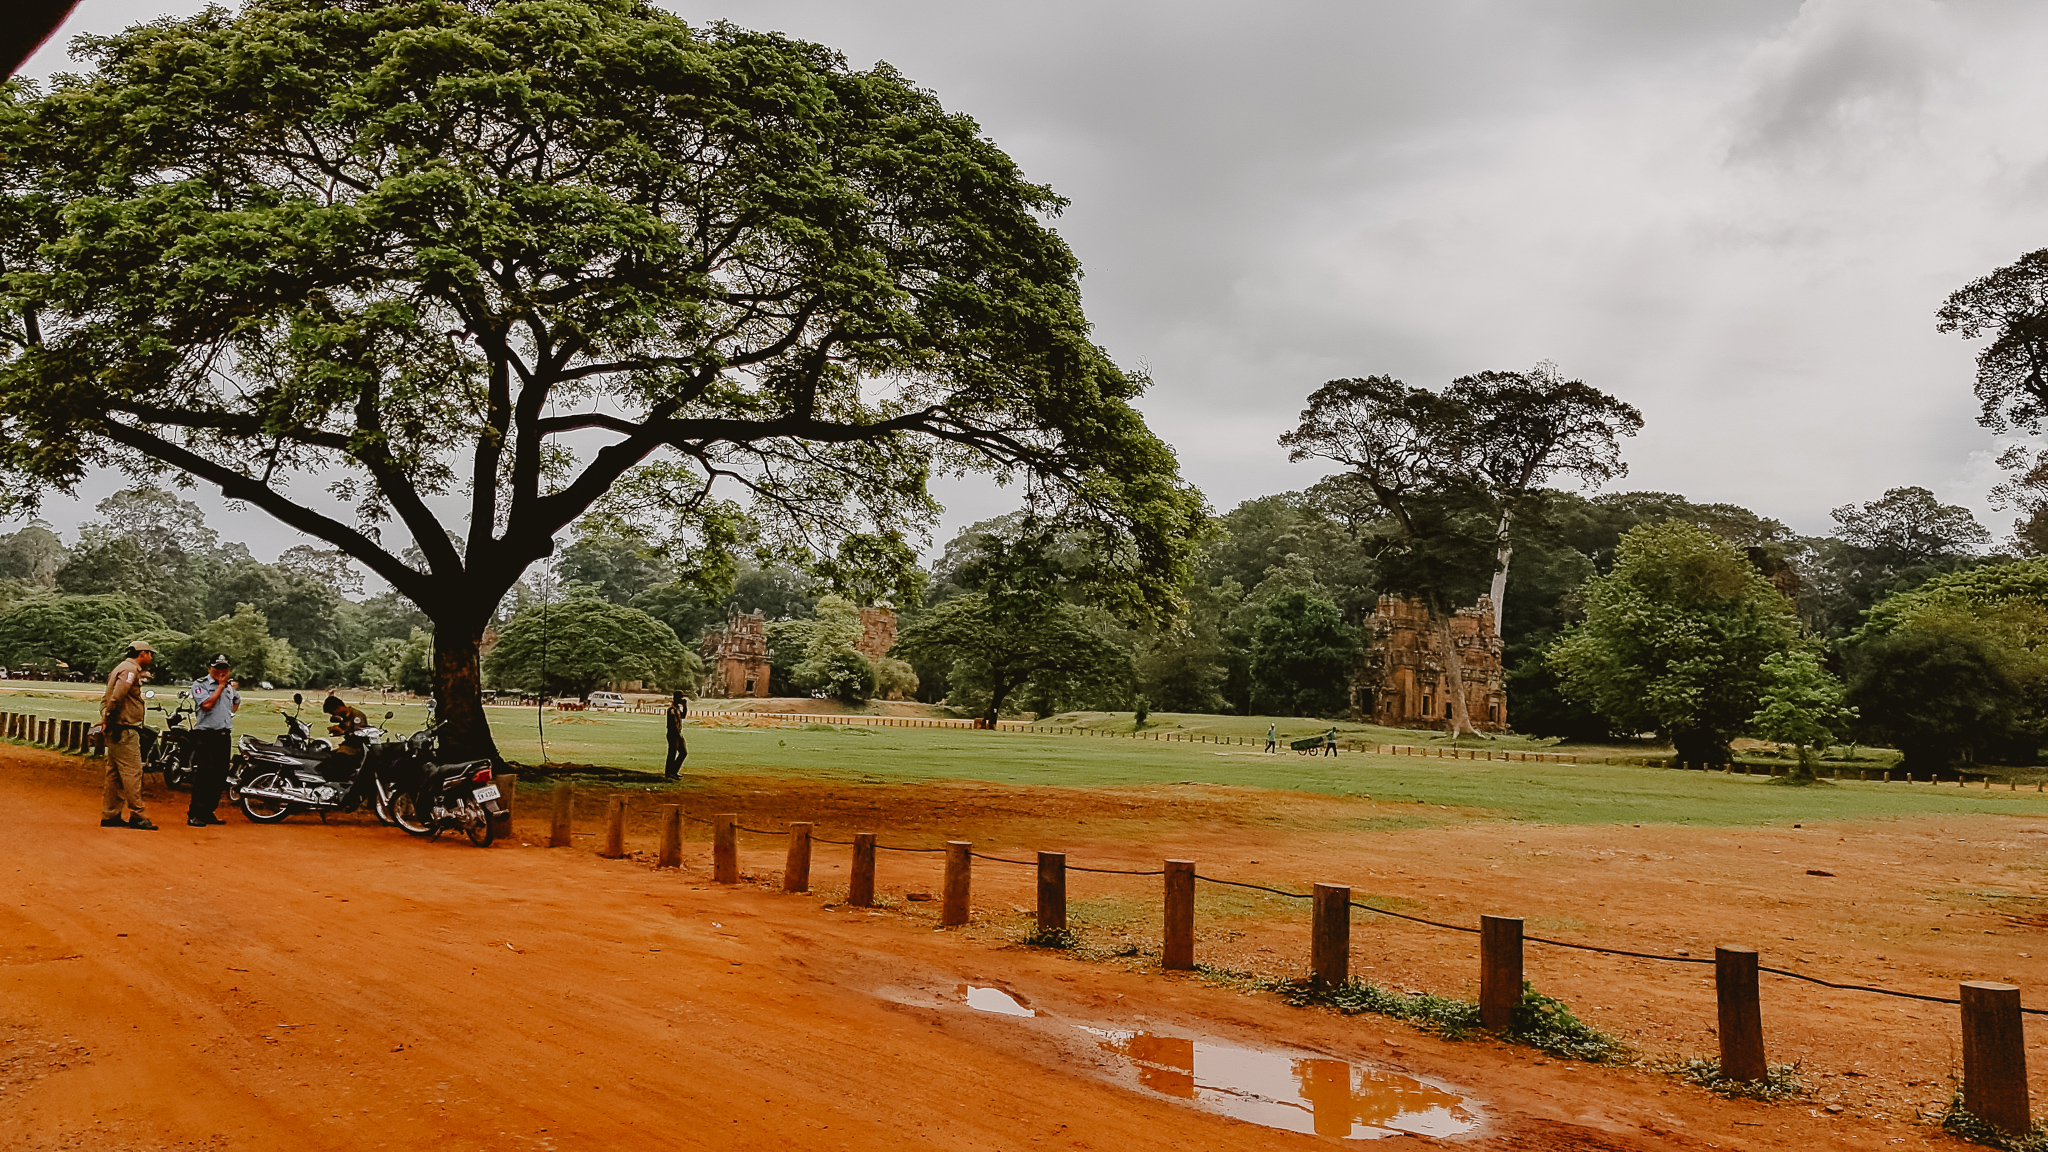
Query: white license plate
{"points": [[487, 792]]}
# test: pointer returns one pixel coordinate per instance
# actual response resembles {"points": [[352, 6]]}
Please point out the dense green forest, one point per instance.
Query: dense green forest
{"points": [[1930, 633]]}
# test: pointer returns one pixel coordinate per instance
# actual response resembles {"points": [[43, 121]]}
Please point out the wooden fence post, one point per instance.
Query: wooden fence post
{"points": [[1740, 1019], [615, 829], [560, 828], [1995, 1056], [725, 848], [1500, 971], [670, 853], [1180, 915], [953, 909], [796, 869], [1052, 893], [1330, 940], [860, 887], [508, 791]]}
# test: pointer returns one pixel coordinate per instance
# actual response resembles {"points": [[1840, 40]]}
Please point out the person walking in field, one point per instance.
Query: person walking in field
{"points": [[121, 714], [215, 697], [678, 750], [1330, 741], [1272, 737]]}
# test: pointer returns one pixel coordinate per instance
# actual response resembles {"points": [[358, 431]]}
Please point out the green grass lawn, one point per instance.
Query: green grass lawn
{"points": [[1589, 793]]}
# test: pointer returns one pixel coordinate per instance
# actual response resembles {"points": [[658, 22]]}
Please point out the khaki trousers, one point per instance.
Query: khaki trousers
{"points": [[124, 774]]}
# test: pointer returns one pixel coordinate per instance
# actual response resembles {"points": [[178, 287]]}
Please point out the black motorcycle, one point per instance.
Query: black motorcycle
{"points": [[299, 772], [169, 751], [450, 796]]}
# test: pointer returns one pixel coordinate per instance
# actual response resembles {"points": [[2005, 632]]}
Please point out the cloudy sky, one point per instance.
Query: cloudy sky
{"points": [[1739, 215]]}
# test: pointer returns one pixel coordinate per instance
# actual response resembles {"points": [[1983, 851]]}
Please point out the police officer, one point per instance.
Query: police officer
{"points": [[121, 714], [215, 697], [678, 750]]}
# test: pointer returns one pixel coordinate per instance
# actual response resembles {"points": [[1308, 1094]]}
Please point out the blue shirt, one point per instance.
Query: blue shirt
{"points": [[222, 714]]}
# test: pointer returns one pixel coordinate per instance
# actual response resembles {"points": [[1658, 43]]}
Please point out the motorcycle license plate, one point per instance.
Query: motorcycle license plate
{"points": [[487, 792]]}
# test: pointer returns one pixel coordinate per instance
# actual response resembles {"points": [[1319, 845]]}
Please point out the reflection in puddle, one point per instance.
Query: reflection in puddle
{"points": [[995, 1000], [1312, 1094]]}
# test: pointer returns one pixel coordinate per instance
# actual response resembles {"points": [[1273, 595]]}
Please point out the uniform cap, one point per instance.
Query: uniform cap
{"points": [[141, 646], [221, 661]]}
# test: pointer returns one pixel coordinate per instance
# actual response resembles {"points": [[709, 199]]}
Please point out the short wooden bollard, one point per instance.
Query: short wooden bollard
{"points": [[1500, 971], [614, 829], [1740, 1018], [725, 848], [860, 886], [561, 828], [1180, 915], [508, 790], [1330, 939], [670, 853], [953, 902], [1052, 893], [796, 869], [1995, 1056]]}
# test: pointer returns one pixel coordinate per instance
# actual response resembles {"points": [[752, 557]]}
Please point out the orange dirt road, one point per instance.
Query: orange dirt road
{"points": [[340, 986]]}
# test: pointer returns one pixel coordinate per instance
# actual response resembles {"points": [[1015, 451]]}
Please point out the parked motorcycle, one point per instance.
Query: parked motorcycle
{"points": [[169, 751], [450, 796], [301, 773]]}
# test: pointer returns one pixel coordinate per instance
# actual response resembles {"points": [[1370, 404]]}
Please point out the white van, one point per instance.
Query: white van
{"points": [[604, 700]]}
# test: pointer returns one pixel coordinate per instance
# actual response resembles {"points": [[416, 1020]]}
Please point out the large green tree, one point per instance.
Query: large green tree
{"points": [[77, 630], [1303, 657], [1678, 639], [495, 257], [996, 646], [579, 644]]}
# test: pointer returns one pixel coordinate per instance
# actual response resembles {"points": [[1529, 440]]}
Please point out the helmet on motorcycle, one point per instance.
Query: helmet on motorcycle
{"points": [[221, 661]]}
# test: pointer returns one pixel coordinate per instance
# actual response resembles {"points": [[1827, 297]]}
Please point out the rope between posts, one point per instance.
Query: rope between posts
{"points": [[1412, 919]]}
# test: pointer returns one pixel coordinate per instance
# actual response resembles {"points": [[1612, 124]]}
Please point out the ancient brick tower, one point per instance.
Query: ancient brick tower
{"points": [[877, 632], [1401, 681], [738, 658]]}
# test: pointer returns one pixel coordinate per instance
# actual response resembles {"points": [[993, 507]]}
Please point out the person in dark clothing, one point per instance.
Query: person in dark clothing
{"points": [[215, 698], [678, 749]]}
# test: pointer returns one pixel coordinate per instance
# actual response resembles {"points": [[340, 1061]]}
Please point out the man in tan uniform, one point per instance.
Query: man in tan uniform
{"points": [[121, 715]]}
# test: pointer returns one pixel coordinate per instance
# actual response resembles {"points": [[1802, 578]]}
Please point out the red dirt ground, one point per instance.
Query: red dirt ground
{"points": [[344, 986]]}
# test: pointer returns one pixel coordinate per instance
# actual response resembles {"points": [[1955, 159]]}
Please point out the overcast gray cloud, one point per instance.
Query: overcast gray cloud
{"points": [[1740, 216]]}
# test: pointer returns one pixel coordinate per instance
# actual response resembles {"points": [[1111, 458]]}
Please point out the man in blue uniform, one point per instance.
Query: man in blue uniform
{"points": [[215, 697]]}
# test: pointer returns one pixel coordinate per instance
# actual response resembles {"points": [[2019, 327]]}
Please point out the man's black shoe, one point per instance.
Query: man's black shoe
{"points": [[197, 823], [113, 823], [141, 822], [203, 819]]}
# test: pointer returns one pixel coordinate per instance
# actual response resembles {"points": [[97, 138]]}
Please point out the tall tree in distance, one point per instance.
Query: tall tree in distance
{"points": [[498, 257], [1530, 428], [1908, 525], [1412, 449], [2010, 305]]}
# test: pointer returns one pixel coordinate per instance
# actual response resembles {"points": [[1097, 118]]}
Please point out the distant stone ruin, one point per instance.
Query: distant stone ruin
{"points": [[737, 656], [877, 632], [1401, 682]]}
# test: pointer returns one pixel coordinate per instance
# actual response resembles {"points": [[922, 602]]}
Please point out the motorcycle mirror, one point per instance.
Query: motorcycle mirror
{"points": [[298, 698], [389, 715]]}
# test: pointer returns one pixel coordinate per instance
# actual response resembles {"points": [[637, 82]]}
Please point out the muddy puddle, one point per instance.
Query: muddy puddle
{"points": [[1296, 1091]]}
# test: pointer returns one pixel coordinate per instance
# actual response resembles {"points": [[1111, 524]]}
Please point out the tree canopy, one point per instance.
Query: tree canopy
{"points": [[1678, 639], [579, 644], [516, 253]]}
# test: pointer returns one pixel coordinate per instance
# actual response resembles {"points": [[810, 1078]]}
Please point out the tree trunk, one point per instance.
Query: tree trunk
{"points": [[1454, 681], [458, 691], [1504, 553]]}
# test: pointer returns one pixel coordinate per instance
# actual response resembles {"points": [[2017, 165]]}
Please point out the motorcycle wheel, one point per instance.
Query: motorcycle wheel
{"points": [[405, 812], [481, 829], [261, 810], [381, 809]]}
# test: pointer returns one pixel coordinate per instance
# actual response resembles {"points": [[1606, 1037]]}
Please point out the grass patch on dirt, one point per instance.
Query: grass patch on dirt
{"points": [[1963, 1124], [1780, 1083], [1541, 1022]]}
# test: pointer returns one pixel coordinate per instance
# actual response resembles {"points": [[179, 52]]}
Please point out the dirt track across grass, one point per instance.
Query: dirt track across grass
{"points": [[343, 986]]}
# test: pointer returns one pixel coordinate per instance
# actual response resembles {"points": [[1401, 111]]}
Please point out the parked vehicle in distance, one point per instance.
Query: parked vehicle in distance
{"points": [[604, 700]]}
